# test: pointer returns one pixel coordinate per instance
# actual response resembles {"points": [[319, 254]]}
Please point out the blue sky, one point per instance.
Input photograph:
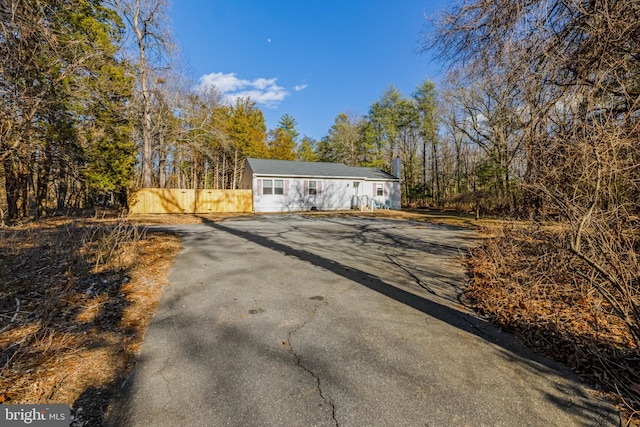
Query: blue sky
{"points": [[310, 59]]}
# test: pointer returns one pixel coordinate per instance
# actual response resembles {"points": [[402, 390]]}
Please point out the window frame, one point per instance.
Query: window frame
{"points": [[379, 189], [267, 190], [273, 187], [278, 190], [312, 190]]}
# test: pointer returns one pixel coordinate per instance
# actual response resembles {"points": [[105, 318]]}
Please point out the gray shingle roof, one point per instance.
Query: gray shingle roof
{"points": [[315, 169]]}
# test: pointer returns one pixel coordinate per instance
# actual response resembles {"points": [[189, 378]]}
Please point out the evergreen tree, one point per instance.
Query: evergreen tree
{"points": [[306, 150], [382, 128], [343, 144], [288, 124], [246, 128], [67, 92], [111, 152], [282, 139], [281, 145]]}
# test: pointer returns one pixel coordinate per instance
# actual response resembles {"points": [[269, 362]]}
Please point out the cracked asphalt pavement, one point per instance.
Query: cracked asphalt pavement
{"points": [[291, 320]]}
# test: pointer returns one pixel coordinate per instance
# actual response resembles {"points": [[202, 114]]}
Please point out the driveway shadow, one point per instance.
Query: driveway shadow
{"points": [[577, 402], [197, 356]]}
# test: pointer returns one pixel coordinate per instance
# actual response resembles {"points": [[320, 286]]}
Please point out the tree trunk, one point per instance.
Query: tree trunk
{"points": [[224, 171], [11, 187], [146, 99], [436, 173], [23, 180], [42, 187], [235, 169], [162, 166], [216, 174]]}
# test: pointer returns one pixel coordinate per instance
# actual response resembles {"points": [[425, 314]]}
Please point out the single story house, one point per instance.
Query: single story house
{"points": [[285, 186]]}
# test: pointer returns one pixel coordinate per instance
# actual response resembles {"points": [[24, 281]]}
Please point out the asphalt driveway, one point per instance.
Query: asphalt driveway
{"points": [[290, 320]]}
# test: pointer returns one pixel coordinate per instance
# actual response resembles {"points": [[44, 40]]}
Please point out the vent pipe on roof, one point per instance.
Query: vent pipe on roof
{"points": [[395, 167]]}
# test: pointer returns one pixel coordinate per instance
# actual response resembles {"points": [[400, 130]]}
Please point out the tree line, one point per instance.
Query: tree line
{"points": [[94, 105], [550, 93], [66, 101]]}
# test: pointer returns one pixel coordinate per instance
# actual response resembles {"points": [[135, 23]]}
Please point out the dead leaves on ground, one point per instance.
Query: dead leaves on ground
{"points": [[522, 283], [87, 291]]}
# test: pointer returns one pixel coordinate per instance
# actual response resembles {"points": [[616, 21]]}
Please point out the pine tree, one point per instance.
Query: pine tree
{"points": [[246, 128], [282, 140], [306, 150], [68, 93], [281, 145], [344, 142], [288, 124]]}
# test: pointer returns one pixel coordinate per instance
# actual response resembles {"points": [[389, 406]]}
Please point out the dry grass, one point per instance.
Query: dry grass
{"points": [[154, 219], [522, 282], [450, 218], [75, 299]]}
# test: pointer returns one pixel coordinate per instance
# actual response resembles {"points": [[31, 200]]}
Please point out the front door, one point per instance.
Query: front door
{"points": [[356, 188]]}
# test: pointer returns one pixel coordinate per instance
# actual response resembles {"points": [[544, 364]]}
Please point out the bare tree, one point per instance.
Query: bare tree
{"points": [[486, 111], [576, 65], [148, 22]]}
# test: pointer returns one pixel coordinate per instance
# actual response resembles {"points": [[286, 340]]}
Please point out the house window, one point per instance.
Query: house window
{"points": [[278, 186], [267, 186], [379, 190], [272, 186], [313, 188]]}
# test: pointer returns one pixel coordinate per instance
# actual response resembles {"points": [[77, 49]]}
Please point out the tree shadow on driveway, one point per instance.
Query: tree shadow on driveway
{"points": [[568, 395]]}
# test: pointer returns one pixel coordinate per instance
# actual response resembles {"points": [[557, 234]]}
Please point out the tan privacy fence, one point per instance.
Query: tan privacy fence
{"points": [[165, 200]]}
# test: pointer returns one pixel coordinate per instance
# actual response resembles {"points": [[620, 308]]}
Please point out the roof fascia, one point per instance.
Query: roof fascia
{"points": [[361, 178]]}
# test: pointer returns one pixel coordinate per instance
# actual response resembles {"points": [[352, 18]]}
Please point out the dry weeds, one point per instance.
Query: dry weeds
{"points": [[523, 283], [75, 299]]}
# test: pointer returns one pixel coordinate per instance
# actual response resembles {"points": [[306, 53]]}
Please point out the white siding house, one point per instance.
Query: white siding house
{"points": [[284, 186]]}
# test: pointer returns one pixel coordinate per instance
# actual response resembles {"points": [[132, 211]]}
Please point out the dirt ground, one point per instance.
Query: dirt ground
{"points": [[77, 294]]}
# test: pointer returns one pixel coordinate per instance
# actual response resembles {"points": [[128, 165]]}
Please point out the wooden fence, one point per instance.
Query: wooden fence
{"points": [[175, 201]]}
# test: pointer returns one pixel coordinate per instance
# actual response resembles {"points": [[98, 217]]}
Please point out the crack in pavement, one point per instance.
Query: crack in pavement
{"points": [[298, 361]]}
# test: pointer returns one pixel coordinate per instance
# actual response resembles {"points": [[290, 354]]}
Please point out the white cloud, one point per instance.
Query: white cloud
{"points": [[298, 88], [261, 90], [263, 83], [270, 97], [224, 82]]}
